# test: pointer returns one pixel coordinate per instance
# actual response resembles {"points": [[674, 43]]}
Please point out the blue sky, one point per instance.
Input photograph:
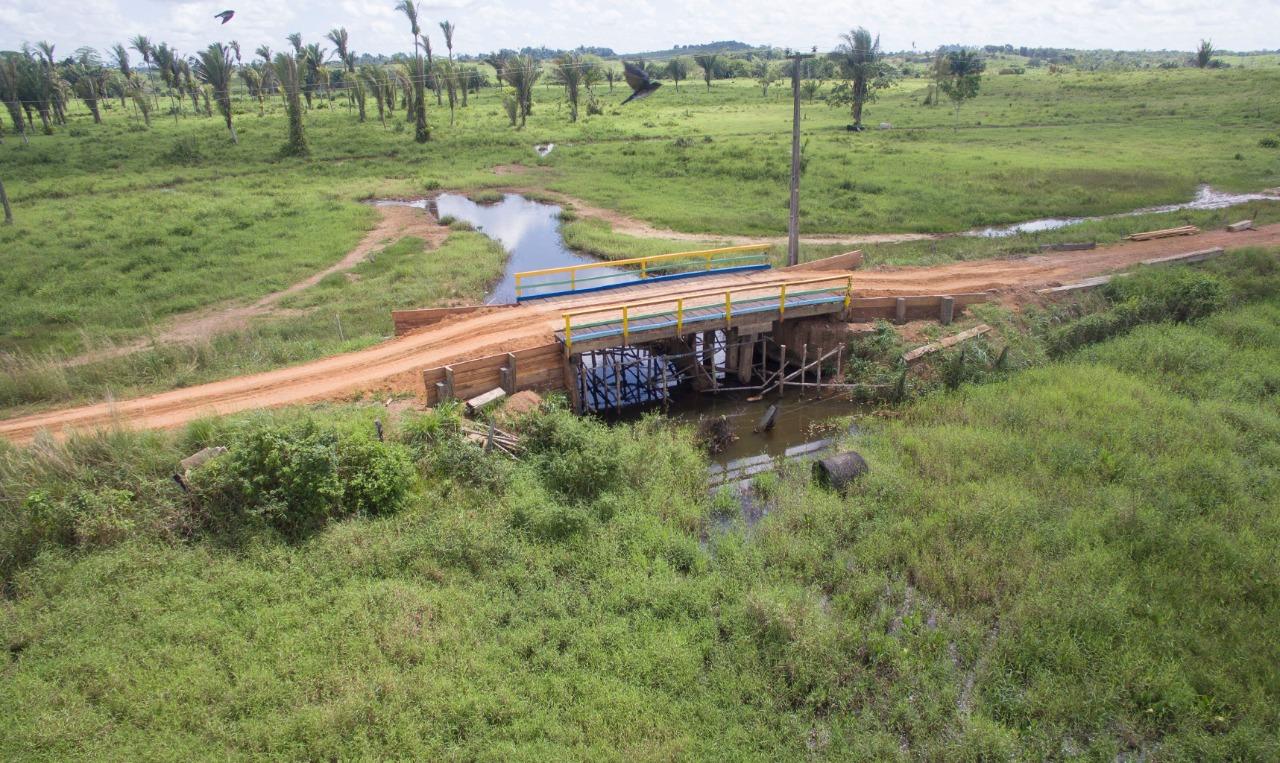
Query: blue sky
{"points": [[485, 25]]}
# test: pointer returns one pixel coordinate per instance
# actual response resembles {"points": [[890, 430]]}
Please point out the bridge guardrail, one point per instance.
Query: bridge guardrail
{"points": [[748, 300], [533, 284]]}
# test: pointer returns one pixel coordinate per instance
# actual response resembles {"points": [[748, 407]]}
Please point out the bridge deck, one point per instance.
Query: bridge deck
{"points": [[645, 324]]}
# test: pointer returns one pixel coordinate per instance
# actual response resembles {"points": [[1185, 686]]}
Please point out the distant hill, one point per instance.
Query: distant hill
{"points": [[724, 46]]}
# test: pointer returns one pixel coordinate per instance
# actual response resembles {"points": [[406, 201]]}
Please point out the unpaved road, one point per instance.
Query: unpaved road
{"points": [[394, 223], [392, 365]]}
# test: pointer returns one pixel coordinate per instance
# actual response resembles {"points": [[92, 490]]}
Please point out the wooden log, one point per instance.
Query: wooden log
{"points": [[1243, 225], [510, 380], [199, 458], [769, 418], [448, 391], [900, 310], [928, 349], [946, 310], [479, 402]]}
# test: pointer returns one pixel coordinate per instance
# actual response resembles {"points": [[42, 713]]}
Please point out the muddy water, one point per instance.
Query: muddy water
{"points": [[528, 230], [1206, 198]]}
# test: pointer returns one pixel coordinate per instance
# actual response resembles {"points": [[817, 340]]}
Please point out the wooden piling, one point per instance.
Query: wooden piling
{"points": [[946, 310]]}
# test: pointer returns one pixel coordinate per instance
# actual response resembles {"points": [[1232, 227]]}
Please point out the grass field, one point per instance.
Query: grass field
{"points": [[1072, 560], [120, 227]]}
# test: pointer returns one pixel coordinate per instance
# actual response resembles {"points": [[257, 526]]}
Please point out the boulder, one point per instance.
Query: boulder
{"points": [[840, 470]]}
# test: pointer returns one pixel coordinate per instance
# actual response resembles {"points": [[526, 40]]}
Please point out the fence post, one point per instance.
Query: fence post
{"points": [[782, 303], [568, 333], [679, 316], [626, 328], [728, 308]]}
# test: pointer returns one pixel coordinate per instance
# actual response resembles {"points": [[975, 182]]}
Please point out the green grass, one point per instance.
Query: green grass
{"points": [[343, 312], [1075, 560]]}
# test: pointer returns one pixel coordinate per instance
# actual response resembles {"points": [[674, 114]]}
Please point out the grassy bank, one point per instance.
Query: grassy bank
{"points": [[1075, 559], [343, 312]]}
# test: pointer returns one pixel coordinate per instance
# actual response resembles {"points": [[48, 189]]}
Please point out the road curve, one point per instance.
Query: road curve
{"points": [[392, 365]]}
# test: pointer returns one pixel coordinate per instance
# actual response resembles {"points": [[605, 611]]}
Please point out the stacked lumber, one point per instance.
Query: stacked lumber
{"points": [[942, 344], [1185, 230], [491, 438]]}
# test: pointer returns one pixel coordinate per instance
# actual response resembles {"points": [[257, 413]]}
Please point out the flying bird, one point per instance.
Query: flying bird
{"points": [[641, 85], [225, 16]]}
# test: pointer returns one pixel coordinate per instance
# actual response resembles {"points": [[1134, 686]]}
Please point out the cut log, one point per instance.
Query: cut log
{"points": [[1243, 225], [840, 470], [1071, 288], [942, 344], [1184, 230], [1199, 255], [478, 402]]}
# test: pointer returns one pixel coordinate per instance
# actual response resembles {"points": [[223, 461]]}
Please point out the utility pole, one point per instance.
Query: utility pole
{"points": [[793, 228]]}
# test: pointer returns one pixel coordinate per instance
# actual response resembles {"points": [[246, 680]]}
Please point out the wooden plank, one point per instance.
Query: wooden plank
{"points": [[1196, 256], [1069, 246], [478, 402], [1243, 225], [1184, 230], [1071, 288], [951, 341]]}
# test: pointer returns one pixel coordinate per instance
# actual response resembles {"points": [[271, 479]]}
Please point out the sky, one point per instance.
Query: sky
{"points": [[638, 25]]}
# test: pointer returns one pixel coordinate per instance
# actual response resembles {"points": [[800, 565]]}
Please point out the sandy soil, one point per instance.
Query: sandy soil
{"points": [[394, 365], [396, 222]]}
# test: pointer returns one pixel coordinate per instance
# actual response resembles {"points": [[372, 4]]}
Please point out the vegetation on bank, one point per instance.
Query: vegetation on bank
{"points": [[1075, 558], [341, 313]]}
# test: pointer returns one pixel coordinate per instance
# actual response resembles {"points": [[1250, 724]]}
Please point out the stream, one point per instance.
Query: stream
{"points": [[1205, 198], [529, 231]]}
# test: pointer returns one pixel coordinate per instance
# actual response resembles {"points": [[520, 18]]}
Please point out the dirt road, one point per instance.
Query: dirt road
{"points": [[392, 365]]}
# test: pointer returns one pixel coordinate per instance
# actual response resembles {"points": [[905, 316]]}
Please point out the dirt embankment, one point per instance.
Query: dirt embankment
{"points": [[395, 223], [394, 365]]}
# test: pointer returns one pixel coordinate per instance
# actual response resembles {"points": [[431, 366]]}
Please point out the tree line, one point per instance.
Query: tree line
{"points": [[37, 86]]}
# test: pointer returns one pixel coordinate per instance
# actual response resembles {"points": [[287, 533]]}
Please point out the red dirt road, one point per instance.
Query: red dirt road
{"points": [[392, 365]]}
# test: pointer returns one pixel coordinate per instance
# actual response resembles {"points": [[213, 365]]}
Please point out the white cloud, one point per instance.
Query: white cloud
{"points": [[485, 25]]}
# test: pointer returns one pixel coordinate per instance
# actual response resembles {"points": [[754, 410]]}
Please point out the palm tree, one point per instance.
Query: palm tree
{"points": [[567, 69], [708, 63], [766, 74], [215, 68], [1204, 54], [521, 72], [340, 40], [421, 133], [451, 73], [11, 90], [963, 78], [286, 68], [252, 77], [87, 77], [677, 69], [863, 68], [144, 48], [295, 40], [375, 78]]}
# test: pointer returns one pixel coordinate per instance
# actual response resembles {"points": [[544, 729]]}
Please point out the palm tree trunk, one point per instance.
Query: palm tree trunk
{"points": [[4, 201]]}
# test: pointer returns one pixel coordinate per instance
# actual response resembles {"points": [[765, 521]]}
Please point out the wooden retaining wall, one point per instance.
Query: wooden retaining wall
{"points": [[539, 368]]}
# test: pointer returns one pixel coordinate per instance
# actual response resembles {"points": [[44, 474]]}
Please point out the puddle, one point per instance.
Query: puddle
{"points": [[528, 230], [1206, 198]]}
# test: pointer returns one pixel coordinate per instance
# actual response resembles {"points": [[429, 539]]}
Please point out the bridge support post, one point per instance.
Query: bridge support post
{"points": [[947, 310], [900, 310]]}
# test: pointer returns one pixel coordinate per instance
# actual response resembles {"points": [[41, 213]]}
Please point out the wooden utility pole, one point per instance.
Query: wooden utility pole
{"points": [[4, 201], [793, 227]]}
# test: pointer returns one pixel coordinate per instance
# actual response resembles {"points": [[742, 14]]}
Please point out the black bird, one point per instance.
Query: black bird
{"points": [[225, 16], [641, 85]]}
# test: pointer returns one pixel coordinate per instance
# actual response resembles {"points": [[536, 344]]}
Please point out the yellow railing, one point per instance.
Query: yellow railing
{"points": [[748, 300], [646, 265]]}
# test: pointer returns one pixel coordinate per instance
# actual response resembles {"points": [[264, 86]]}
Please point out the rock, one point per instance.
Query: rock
{"points": [[840, 470]]}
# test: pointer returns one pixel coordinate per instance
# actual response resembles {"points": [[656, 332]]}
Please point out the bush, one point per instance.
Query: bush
{"points": [[185, 150], [1148, 296], [295, 478], [1269, 142], [575, 457]]}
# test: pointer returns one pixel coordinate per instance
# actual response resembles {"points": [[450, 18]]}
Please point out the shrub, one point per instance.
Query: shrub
{"points": [[575, 457], [1269, 142], [1149, 296], [295, 478], [185, 150]]}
